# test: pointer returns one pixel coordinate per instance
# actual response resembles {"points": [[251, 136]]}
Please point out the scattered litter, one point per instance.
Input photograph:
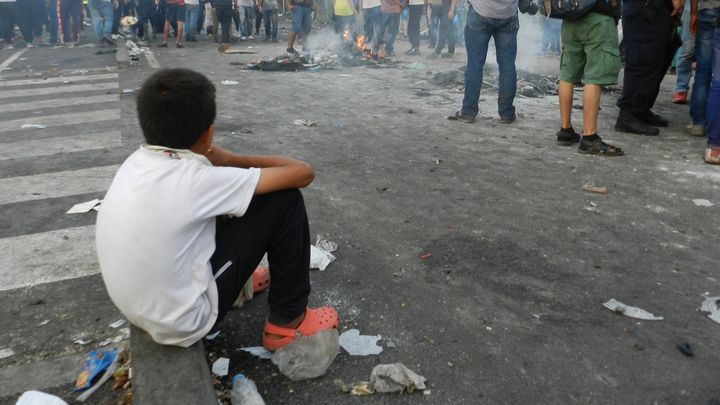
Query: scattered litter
{"points": [[702, 202], [595, 189], [230, 82], [128, 21], [425, 256], [360, 345], [236, 51], [320, 259], [416, 65], [128, 91], [305, 123], [221, 366], [325, 244], [83, 208], [686, 349], [395, 378], [105, 342], [117, 324], [391, 344], [5, 353], [107, 361], [632, 312], [308, 356], [81, 342], [95, 363], [39, 398], [258, 351], [709, 306], [45, 322], [212, 336], [32, 126], [246, 131], [362, 388], [344, 75]]}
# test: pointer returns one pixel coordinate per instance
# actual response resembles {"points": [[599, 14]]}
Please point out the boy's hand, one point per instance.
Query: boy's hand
{"points": [[451, 14]]}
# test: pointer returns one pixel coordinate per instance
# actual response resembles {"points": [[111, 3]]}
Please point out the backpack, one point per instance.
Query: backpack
{"points": [[567, 9]]}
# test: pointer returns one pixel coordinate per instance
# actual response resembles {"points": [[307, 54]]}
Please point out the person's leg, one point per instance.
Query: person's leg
{"points": [[249, 19], [450, 36], [392, 27], [434, 25], [180, 21], [414, 25], [53, 20], [505, 37], [96, 17], [684, 58], [445, 24], [224, 15], [258, 20], [7, 22], [274, 21], [713, 105], [306, 26], [115, 18], [379, 32], [565, 95], [275, 223], [296, 27], [166, 31], [591, 106], [191, 14], [24, 22], [477, 37], [703, 72], [108, 15], [266, 18]]}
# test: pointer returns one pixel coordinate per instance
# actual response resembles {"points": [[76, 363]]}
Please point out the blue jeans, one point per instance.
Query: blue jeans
{"points": [[271, 21], [53, 19], [101, 12], [302, 19], [391, 22], [478, 32], [248, 19], [684, 58], [370, 17], [713, 100], [703, 57], [446, 32], [191, 16], [435, 12]]}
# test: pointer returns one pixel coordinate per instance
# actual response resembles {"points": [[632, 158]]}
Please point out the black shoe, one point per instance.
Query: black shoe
{"points": [[628, 122], [469, 119], [567, 136], [292, 51], [508, 120], [179, 45], [652, 119], [412, 51], [108, 40], [389, 54], [163, 45]]}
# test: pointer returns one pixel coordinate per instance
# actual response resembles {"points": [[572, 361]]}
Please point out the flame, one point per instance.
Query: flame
{"points": [[362, 47], [346, 35]]}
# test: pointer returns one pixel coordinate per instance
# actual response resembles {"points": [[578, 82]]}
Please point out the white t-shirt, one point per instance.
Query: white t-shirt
{"points": [[371, 3], [155, 235]]}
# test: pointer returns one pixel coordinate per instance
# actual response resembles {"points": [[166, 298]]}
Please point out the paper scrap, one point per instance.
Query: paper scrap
{"points": [[320, 259], [117, 324], [221, 366], [325, 244], [5, 353], [700, 202], [360, 345], [632, 312], [32, 126], [45, 322], [105, 342], [710, 306], [305, 123], [258, 351], [84, 207], [362, 388], [594, 189], [212, 336], [230, 82], [81, 342]]}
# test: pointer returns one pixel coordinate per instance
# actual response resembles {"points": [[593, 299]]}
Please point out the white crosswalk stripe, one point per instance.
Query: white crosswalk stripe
{"points": [[55, 103]]}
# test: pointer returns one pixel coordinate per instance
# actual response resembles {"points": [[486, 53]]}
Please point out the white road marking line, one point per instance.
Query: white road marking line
{"points": [[57, 184], [59, 119], [12, 59], [61, 79], [46, 257], [58, 102], [43, 91], [50, 146], [152, 60]]}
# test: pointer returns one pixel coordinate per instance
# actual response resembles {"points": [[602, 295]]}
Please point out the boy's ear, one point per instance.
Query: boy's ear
{"points": [[204, 142]]}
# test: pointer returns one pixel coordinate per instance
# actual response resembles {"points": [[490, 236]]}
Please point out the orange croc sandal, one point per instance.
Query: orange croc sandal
{"points": [[260, 279], [316, 320]]}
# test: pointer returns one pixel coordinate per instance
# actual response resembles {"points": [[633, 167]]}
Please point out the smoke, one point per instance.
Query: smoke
{"points": [[531, 52]]}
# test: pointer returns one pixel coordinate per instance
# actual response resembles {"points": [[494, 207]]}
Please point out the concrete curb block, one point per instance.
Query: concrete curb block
{"points": [[168, 374]]}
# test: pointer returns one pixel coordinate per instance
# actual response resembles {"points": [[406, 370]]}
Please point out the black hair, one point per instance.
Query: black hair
{"points": [[175, 106]]}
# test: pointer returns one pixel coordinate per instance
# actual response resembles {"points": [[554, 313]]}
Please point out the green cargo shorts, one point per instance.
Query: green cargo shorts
{"points": [[590, 50]]}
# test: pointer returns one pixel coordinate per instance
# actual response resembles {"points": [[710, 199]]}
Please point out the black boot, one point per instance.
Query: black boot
{"points": [[652, 119], [629, 122]]}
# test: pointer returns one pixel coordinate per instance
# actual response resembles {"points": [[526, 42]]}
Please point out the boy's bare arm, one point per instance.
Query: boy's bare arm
{"points": [[277, 172]]}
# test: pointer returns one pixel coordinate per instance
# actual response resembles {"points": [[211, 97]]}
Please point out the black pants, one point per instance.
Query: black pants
{"points": [[224, 16], [650, 46], [275, 223], [70, 10], [33, 15], [8, 19], [415, 13], [258, 21], [446, 32]]}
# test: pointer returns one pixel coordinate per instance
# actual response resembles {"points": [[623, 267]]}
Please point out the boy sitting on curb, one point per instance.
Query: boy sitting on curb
{"points": [[185, 223]]}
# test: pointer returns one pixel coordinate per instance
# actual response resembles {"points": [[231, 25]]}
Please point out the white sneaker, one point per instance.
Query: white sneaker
{"points": [[251, 37], [242, 38], [30, 46], [9, 46]]}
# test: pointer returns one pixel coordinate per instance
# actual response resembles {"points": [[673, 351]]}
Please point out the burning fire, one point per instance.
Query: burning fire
{"points": [[364, 48], [346, 35]]}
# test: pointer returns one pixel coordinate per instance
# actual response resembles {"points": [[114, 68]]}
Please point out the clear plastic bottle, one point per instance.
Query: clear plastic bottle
{"points": [[244, 391]]}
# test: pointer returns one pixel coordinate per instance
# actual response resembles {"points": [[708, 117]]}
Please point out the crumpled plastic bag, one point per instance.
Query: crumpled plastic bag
{"points": [[320, 259], [396, 378], [360, 345], [308, 356], [39, 398]]}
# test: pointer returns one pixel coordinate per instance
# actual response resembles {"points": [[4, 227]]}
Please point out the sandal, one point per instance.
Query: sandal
{"points": [[316, 320], [260, 279], [598, 147]]}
